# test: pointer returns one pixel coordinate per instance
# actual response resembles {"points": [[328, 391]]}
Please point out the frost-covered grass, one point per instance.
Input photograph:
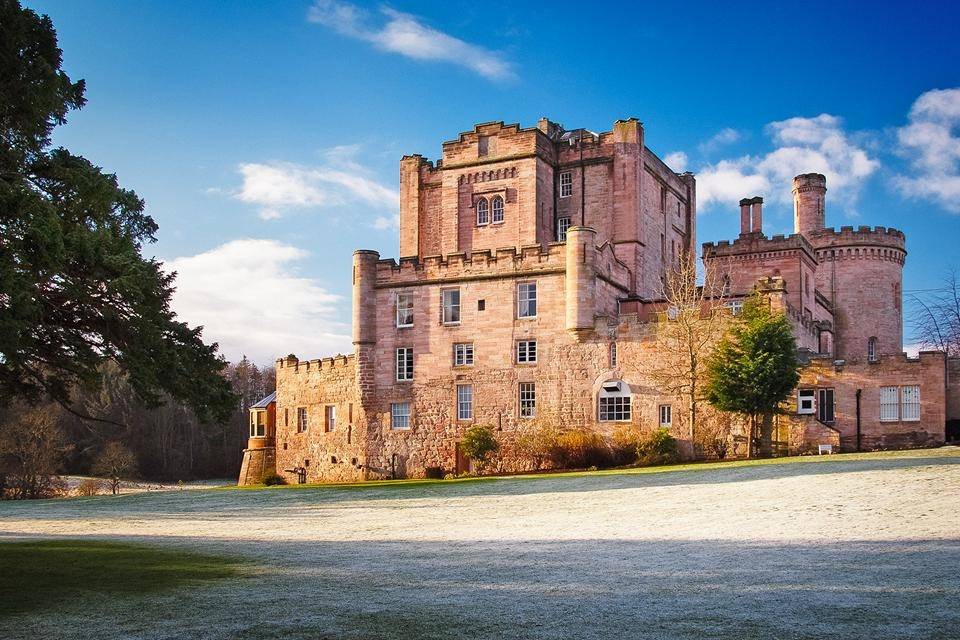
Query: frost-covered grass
{"points": [[842, 546]]}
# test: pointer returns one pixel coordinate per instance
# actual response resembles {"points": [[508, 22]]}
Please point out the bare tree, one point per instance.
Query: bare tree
{"points": [[114, 463], [32, 448], [936, 316], [691, 324]]}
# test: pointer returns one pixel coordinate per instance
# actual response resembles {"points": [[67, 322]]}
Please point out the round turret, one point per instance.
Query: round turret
{"points": [[365, 296], [809, 192]]}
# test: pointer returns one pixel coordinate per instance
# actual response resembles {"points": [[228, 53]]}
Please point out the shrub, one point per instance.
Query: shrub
{"points": [[479, 444], [272, 479], [433, 473], [658, 448], [579, 448], [537, 441], [89, 487], [623, 445]]}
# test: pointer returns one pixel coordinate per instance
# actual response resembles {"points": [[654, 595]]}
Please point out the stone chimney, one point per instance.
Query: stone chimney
{"points": [[756, 206], [745, 216]]}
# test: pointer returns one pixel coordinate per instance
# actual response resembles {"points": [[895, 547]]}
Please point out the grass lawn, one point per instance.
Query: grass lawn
{"points": [[844, 546]]}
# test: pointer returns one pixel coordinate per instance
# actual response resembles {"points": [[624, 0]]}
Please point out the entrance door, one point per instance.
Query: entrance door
{"points": [[825, 405]]}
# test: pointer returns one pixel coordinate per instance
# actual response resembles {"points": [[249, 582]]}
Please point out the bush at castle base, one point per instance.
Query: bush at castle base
{"points": [[658, 448]]}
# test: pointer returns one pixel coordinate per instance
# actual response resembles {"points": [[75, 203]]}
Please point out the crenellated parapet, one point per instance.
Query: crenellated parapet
{"points": [[331, 364], [861, 243], [754, 246]]}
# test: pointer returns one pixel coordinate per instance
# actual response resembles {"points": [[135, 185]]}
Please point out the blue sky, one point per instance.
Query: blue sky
{"points": [[265, 137]]}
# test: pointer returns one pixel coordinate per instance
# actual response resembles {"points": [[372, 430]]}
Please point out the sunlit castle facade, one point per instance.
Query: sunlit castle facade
{"points": [[531, 263]]}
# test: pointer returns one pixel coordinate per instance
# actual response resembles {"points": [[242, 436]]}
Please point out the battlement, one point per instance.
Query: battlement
{"points": [[319, 365], [871, 243], [755, 243]]}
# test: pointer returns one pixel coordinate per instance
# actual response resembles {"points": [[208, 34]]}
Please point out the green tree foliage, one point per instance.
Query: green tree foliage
{"points": [[479, 444], [75, 290], [658, 448], [754, 368]]}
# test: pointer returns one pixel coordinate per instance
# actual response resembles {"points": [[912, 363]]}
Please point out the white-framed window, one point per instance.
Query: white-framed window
{"points": [[527, 300], [566, 184], [910, 403], [400, 415], [805, 398], [889, 404], [483, 212], [464, 402], [526, 351], [871, 350], [496, 209], [404, 363], [528, 399], [735, 306], [614, 402], [450, 311], [562, 225], [301, 419], [666, 415], [258, 426], [330, 418], [463, 354], [404, 309], [613, 354]]}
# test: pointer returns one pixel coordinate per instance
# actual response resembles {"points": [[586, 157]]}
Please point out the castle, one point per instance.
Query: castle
{"points": [[531, 268]]}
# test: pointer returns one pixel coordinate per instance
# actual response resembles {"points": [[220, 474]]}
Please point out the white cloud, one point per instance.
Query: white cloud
{"points": [[405, 34], [801, 145], [723, 137], [384, 222], [932, 144], [248, 297], [676, 160], [278, 186]]}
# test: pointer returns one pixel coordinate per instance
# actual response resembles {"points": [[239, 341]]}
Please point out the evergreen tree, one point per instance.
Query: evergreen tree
{"points": [[75, 290], [754, 368]]}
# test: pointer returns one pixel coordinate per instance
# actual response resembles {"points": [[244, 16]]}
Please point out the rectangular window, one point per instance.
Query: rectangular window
{"points": [[528, 400], [286, 417], [400, 415], [825, 405], [405, 363], [805, 401], [404, 310], [566, 184], [527, 300], [614, 408], [889, 406], [464, 402], [562, 225], [735, 306], [910, 403], [451, 306], [329, 418], [463, 354], [666, 415], [301, 419], [526, 351]]}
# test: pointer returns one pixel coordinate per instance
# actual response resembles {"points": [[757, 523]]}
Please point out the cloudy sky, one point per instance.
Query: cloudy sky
{"points": [[265, 137]]}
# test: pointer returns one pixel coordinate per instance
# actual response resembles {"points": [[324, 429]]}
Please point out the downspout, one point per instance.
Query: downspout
{"points": [[859, 391]]}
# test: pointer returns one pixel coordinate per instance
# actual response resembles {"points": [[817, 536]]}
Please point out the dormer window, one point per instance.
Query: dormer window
{"points": [[497, 207], [483, 211]]}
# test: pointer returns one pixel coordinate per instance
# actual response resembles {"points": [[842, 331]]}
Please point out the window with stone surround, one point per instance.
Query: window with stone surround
{"points": [[483, 212], [528, 399], [329, 418], [805, 399], [301, 419], [463, 354], [527, 300], [566, 184], [614, 402], [464, 402], [400, 415], [404, 364], [613, 354], [871, 350], [526, 351], [450, 302], [666, 416], [404, 310], [825, 405], [562, 225], [496, 209], [910, 403], [889, 404]]}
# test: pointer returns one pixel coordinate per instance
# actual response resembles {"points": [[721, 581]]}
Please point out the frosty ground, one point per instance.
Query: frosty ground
{"points": [[841, 546]]}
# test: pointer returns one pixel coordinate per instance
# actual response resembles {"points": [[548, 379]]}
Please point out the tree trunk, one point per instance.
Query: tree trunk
{"points": [[766, 436]]}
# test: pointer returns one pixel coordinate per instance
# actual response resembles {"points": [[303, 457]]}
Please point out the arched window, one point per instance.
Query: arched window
{"points": [[726, 285], [613, 402], [497, 206], [872, 350], [483, 211]]}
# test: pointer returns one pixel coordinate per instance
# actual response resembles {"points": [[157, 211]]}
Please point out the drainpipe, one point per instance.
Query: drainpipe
{"points": [[859, 391]]}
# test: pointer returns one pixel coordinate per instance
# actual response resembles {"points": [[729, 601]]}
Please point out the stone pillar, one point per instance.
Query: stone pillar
{"points": [[809, 193], [581, 278], [745, 216], [756, 207]]}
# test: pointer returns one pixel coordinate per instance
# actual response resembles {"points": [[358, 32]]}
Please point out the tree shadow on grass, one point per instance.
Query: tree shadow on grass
{"points": [[52, 574]]}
